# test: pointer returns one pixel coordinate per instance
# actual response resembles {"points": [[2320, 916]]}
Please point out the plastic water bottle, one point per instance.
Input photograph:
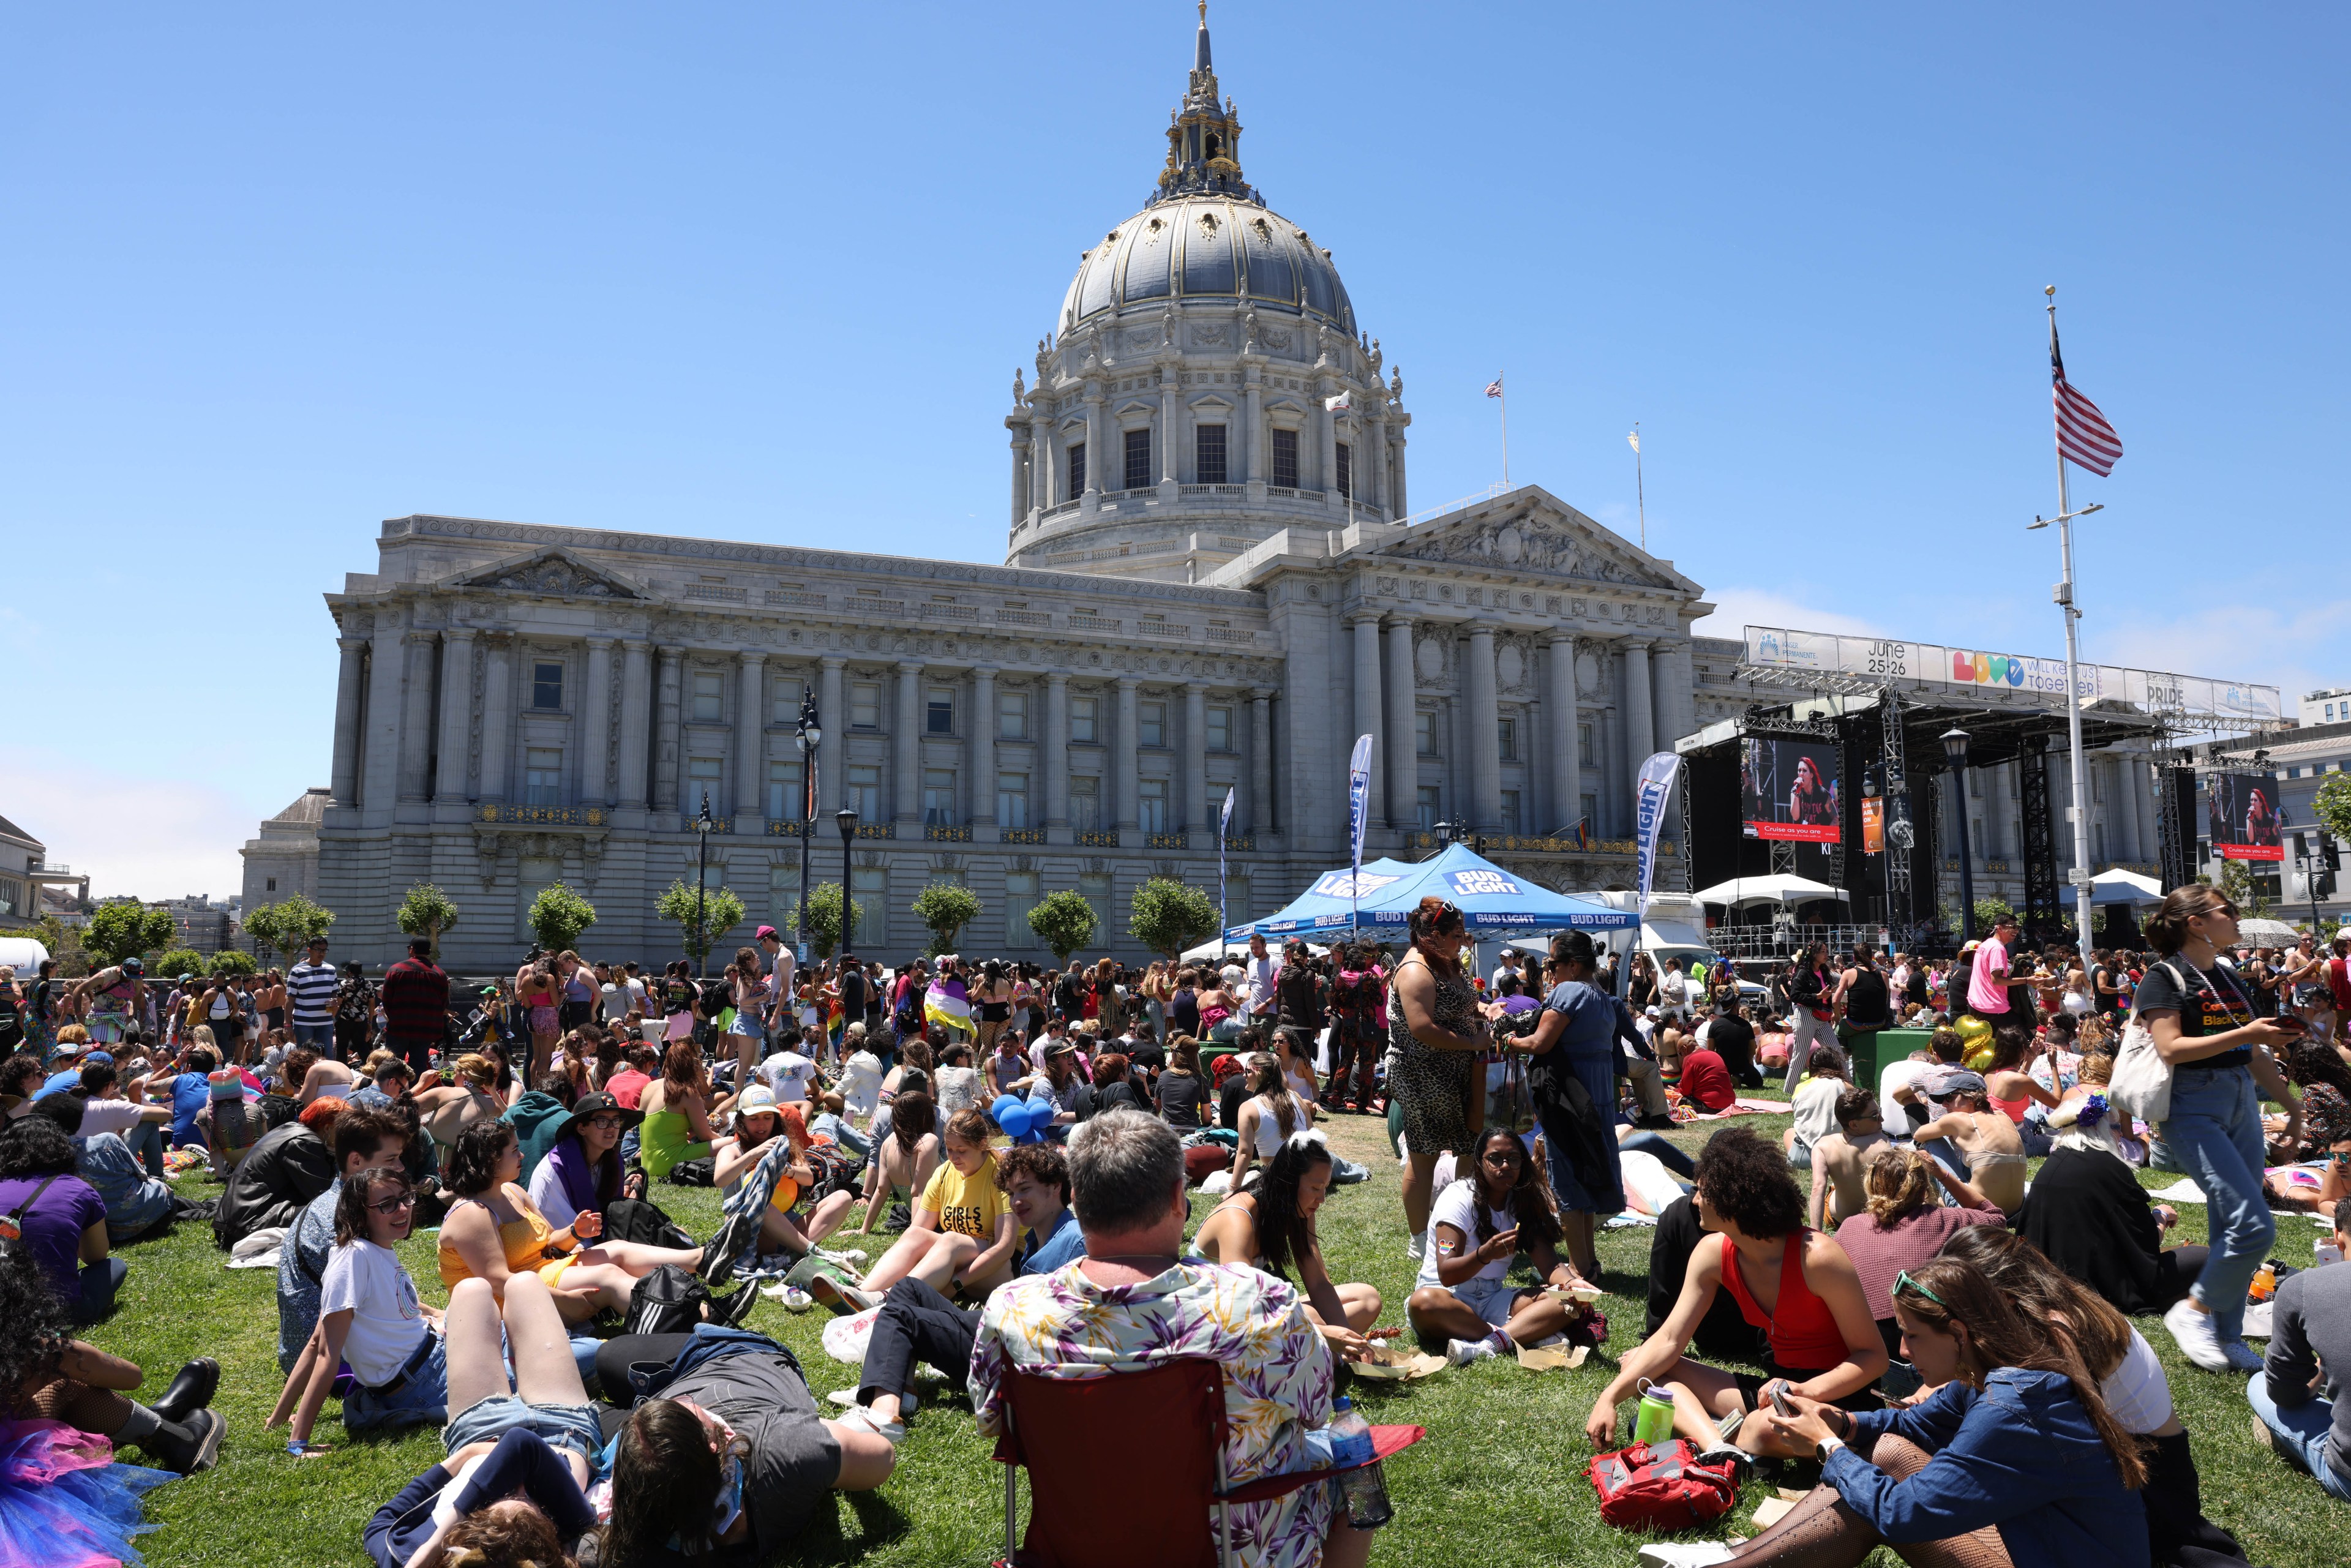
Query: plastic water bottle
{"points": [[1365, 1487]]}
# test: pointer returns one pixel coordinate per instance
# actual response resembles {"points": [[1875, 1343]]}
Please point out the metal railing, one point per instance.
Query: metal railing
{"points": [[1024, 835], [945, 834], [1105, 839], [553, 816], [1487, 493]]}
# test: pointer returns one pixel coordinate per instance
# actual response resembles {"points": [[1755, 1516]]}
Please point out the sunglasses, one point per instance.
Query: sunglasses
{"points": [[604, 1124], [1903, 1282], [394, 1205]]}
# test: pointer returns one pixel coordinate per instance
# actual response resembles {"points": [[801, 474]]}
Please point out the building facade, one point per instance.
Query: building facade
{"points": [[1211, 587], [2300, 761], [282, 858]]}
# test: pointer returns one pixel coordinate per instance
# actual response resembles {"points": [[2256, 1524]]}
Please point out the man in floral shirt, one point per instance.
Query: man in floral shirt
{"points": [[1133, 1301]]}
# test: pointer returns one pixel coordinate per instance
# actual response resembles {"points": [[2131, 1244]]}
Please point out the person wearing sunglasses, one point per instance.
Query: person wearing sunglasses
{"points": [[2014, 1459], [370, 1318], [581, 1171]]}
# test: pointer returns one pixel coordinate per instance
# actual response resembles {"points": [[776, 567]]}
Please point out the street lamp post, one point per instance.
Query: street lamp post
{"points": [[703, 824], [808, 735], [847, 818], [1955, 748]]}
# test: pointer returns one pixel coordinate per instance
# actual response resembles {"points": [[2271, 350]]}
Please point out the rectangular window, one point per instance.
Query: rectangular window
{"points": [[704, 780], [1285, 458], [863, 795], [1020, 896], [1094, 888], [1077, 470], [1431, 806], [1975, 782], [783, 894], [869, 900], [1151, 805], [1220, 729], [709, 696], [938, 714], [542, 777], [1590, 805], [1209, 454], [1238, 906], [865, 705], [2098, 789], [547, 688], [1012, 716], [1012, 800], [1507, 740], [1510, 812], [939, 798], [787, 699], [1424, 733], [784, 798], [1346, 469], [1085, 804], [1085, 721], [272, 885], [1138, 459], [1151, 724], [1583, 743]]}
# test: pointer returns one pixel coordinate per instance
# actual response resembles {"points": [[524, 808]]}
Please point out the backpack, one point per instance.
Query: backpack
{"points": [[1661, 1486], [668, 1301], [639, 1221]]}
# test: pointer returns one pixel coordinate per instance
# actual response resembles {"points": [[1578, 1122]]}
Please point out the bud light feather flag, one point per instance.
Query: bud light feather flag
{"points": [[1224, 831], [1359, 801], [1650, 793]]}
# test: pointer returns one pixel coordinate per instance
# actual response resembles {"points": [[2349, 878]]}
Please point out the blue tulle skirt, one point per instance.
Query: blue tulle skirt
{"points": [[63, 1502]]}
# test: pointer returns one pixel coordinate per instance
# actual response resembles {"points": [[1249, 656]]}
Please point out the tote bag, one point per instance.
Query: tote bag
{"points": [[2141, 1083]]}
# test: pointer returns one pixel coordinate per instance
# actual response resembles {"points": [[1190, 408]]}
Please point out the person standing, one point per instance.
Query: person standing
{"points": [[1863, 1005], [1261, 975], [310, 991], [1808, 998], [1988, 996], [416, 1006], [1436, 1034]]}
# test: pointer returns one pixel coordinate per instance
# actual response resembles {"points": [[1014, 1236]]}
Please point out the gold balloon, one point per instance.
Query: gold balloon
{"points": [[1979, 1058], [1972, 1029]]}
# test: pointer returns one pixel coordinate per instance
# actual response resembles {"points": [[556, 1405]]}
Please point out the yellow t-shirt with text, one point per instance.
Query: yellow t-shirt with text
{"points": [[970, 1205]]}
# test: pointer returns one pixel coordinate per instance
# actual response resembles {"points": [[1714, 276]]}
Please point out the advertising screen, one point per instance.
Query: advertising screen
{"points": [[2241, 817], [1789, 789]]}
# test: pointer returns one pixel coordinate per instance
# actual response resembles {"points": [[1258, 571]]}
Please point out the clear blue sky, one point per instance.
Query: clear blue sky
{"points": [[276, 273]]}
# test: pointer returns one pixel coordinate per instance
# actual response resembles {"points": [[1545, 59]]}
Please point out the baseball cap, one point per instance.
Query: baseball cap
{"points": [[764, 933], [134, 965], [98, 1059], [757, 1098], [1943, 1083]]}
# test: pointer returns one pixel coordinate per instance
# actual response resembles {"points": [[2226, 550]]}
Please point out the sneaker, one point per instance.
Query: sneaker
{"points": [[2242, 1356], [860, 1419], [1685, 1554], [844, 1397], [1726, 1452], [1462, 1351], [2269, 1439], [2194, 1333], [842, 1299]]}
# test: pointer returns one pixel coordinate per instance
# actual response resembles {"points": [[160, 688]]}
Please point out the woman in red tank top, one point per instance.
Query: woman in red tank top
{"points": [[1795, 1284]]}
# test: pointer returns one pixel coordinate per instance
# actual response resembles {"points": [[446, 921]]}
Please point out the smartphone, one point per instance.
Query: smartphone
{"points": [[1780, 1401]]}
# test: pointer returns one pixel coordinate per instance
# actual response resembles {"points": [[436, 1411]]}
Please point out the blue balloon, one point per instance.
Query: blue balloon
{"points": [[1003, 1102]]}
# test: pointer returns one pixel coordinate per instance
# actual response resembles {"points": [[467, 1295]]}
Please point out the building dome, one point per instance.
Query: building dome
{"points": [[1208, 247]]}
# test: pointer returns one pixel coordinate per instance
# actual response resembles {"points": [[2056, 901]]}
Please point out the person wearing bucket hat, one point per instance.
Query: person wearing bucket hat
{"points": [[1985, 1138], [815, 1184], [581, 1171]]}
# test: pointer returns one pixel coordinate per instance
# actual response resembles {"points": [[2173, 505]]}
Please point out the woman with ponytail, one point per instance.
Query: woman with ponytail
{"points": [[1270, 1229], [2015, 1457], [1269, 1116]]}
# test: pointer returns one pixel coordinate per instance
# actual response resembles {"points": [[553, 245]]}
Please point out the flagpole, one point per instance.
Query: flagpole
{"points": [[1640, 491], [2073, 679], [1505, 401]]}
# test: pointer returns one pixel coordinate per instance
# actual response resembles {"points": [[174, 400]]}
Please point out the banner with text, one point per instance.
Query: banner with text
{"points": [[1650, 792]]}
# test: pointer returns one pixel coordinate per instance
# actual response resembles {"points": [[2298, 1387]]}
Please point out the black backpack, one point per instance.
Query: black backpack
{"points": [[636, 1219], [668, 1301]]}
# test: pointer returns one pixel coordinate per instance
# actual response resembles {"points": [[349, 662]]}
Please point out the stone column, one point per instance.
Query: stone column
{"points": [[497, 714], [1482, 714], [1199, 816], [1670, 668], [1168, 420], [1403, 761], [1566, 761], [636, 715], [1326, 429], [832, 751], [380, 758], [1372, 464], [1040, 468], [1640, 732], [1252, 469], [416, 716], [1019, 479], [1260, 797], [1367, 708], [665, 728], [596, 725], [351, 688], [750, 803], [2126, 812], [1055, 762], [907, 751], [2151, 840], [1395, 482], [456, 716], [1130, 771], [1094, 453], [983, 745]]}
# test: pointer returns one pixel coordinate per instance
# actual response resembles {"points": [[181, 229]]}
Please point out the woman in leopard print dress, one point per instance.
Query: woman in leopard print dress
{"points": [[1434, 1037]]}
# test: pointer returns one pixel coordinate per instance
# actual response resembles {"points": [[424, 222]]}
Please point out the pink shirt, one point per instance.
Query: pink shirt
{"points": [[1985, 996]]}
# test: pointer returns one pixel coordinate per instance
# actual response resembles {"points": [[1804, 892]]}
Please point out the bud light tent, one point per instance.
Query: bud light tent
{"points": [[1492, 900]]}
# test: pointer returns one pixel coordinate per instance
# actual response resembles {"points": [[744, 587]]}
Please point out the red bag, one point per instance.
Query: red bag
{"points": [[1661, 1488]]}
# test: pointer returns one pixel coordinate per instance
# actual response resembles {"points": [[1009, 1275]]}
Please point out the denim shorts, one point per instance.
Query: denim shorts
{"points": [[420, 1401], [572, 1427]]}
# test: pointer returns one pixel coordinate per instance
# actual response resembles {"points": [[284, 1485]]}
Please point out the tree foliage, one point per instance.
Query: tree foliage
{"points": [[227, 961], [701, 918], [1171, 915], [558, 917], [179, 961], [2237, 885], [824, 917], [427, 912], [2333, 805], [288, 926], [1064, 921], [64, 943], [945, 908], [124, 928]]}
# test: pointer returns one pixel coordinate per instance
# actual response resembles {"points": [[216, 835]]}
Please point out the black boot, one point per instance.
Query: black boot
{"points": [[192, 1389], [188, 1446]]}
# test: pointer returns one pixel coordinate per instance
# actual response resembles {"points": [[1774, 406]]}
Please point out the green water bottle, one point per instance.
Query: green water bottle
{"points": [[1654, 1422]]}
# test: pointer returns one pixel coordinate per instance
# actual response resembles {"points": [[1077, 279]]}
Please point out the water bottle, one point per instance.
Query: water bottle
{"points": [[1653, 1422], [1366, 1489]]}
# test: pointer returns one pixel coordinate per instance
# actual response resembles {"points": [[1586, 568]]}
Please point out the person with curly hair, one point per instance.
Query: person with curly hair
{"points": [[1480, 1224], [60, 1217], [1271, 1228], [1793, 1282], [1436, 1034]]}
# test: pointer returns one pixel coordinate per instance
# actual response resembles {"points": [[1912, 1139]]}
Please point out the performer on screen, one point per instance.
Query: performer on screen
{"points": [[1812, 799], [2261, 820]]}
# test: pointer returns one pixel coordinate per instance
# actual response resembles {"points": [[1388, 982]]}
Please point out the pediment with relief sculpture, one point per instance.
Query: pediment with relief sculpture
{"points": [[556, 572], [1536, 536]]}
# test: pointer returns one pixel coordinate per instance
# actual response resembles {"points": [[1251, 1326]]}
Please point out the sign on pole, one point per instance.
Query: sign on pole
{"points": [[1359, 801], [1650, 792]]}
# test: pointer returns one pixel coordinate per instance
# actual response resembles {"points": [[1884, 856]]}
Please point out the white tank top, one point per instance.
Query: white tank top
{"points": [[2137, 1392]]}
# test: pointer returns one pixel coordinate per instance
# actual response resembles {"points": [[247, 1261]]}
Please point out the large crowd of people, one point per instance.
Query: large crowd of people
{"points": [[1065, 1170]]}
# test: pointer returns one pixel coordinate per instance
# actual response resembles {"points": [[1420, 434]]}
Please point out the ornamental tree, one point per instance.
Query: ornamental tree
{"points": [[1064, 921], [824, 917], [288, 926], [701, 916], [558, 917], [125, 928], [1171, 915], [427, 912], [945, 908]]}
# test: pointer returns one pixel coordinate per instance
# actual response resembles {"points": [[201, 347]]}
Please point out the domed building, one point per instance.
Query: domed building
{"points": [[1211, 588], [1182, 408]]}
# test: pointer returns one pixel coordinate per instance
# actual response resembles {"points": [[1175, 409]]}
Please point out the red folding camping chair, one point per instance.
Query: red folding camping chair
{"points": [[1166, 1421]]}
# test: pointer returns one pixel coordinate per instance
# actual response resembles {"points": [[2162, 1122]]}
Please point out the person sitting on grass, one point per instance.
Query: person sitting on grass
{"points": [[2015, 1458], [1267, 1118], [513, 1488], [368, 1318], [2301, 1396], [1795, 1283], [815, 1185], [1477, 1225], [1839, 1159], [135, 1202], [1985, 1138], [495, 1234], [962, 1238], [364, 1135], [47, 1374], [918, 1323], [60, 1218], [905, 1154], [1903, 1221], [1271, 1228], [580, 1172], [1814, 1111], [676, 1127], [288, 1166]]}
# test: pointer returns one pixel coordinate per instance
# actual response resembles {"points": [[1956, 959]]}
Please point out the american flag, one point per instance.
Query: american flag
{"points": [[2084, 436], [1494, 386]]}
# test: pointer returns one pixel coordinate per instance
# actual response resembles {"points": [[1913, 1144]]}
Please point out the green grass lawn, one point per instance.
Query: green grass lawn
{"points": [[1499, 1481]]}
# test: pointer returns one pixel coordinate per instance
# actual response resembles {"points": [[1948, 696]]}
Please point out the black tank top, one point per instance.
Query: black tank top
{"points": [[1866, 1001]]}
